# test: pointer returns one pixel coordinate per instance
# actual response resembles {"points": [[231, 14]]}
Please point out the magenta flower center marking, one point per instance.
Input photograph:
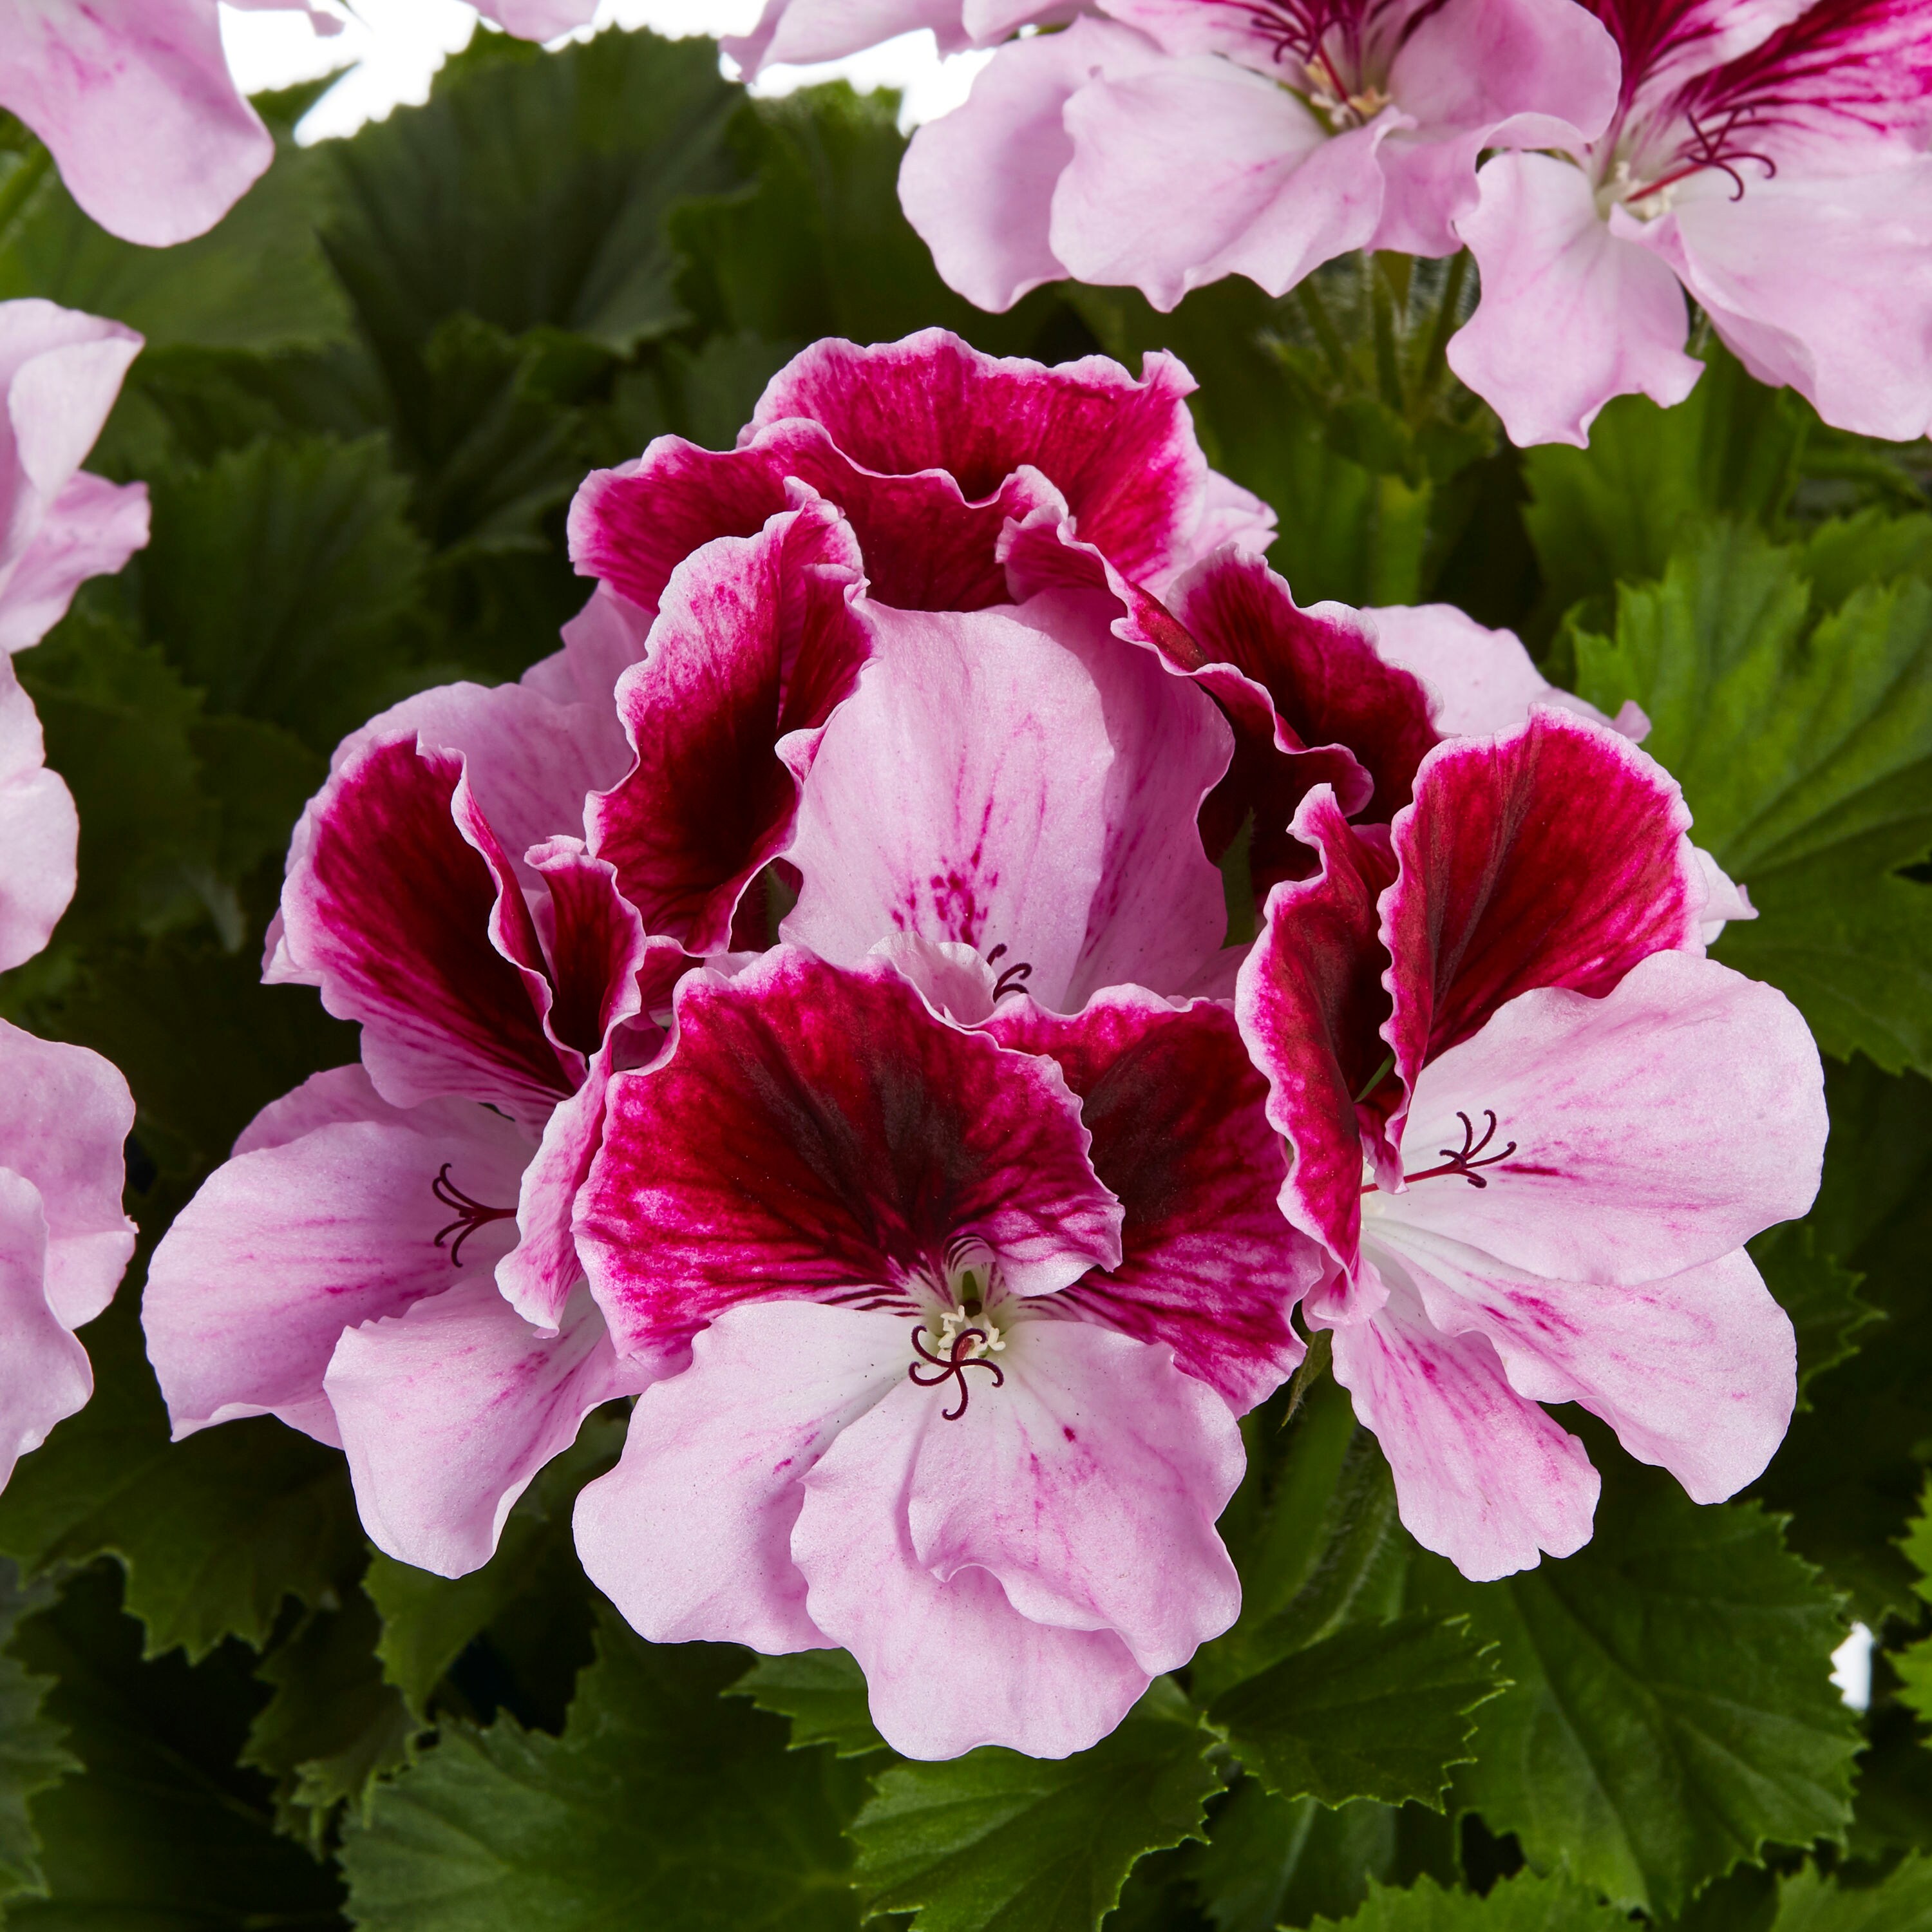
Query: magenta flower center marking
{"points": [[1463, 1160], [470, 1214], [963, 1349]]}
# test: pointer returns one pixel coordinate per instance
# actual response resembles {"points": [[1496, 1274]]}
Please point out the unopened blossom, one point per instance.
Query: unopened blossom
{"points": [[930, 449], [1532, 1127], [135, 100], [1769, 162], [968, 1315], [1171, 142]]}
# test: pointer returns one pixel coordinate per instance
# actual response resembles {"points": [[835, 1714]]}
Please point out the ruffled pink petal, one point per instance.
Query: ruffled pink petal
{"points": [[1480, 73], [1196, 169], [989, 227], [39, 830], [1121, 451], [44, 1373], [1697, 1373], [537, 20], [1478, 682], [1021, 784], [818, 1132], [1482, 1476], [755, 647], [1250, 37], [1555, 855], [401, 906], [802, 33], [1656, 1127], [91, 530], [449, 1410], [690, 1536], [1311, 1005], [1337, 712], [600, 643], [65, 1113], [328, 1215], [135, 101], [1823, 282], [1208, 1266], [1570, 316]]}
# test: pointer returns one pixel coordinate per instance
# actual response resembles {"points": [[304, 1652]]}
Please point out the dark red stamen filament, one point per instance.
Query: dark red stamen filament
{"points": [[1707, 151], [950, 1365], [1014, 977], [470, 1215], [1463, 1160]]}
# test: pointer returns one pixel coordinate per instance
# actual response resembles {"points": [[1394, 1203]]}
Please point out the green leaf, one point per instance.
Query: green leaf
{"points": [[995, 1840], [333, 1727], [1820, 1297], [281, 581], [1378, 1711], [534, 191], [33, 1757], [1804, 750], [1524, 1903], [1809, 1902], [215, 1532], [1670, 1710], [429, 1621], [257, 280], [160, 1832], [1914, 1664], [823, 1692], [660, 1797]]}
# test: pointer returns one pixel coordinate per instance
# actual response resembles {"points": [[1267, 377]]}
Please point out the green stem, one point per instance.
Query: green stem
{"points": [[20, 182], [1437, 359], [1381, 305], [1325, 332]]}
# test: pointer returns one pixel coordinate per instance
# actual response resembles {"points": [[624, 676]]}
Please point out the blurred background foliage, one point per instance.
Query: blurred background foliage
{"points": [[367, 399]]}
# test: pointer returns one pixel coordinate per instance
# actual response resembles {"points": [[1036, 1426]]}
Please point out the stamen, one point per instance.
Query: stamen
{"points": [[1462, 1160], [1011, 980], [954, 1364], [470, 1214]]}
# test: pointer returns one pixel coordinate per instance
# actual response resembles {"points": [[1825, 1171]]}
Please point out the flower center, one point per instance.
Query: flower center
{"points": [[1464, 1160], [470, 1214], [965, 1331]]}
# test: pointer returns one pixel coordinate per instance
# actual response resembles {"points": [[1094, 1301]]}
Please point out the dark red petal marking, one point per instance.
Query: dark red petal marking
{"points": [[396, 910], [1553, 856], [597, 946], [756, 639], [1181, 1134], [816, 1131]]}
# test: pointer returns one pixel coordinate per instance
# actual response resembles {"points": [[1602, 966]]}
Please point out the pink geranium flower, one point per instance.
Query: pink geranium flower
{"points": [[1532, 1126], [1774, 169], [135, 101], [1182, 140], [968, 1316]]}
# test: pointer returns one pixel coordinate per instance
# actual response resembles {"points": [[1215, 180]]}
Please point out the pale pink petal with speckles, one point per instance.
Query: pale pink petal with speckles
{"points": [[690, 1536], [328, 1215], [449, 1410]]}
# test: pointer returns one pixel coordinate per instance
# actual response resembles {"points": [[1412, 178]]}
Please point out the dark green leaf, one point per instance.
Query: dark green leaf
{"points": [[993, 1840], [1377, 1711], [823, 1692], [1670, 1710], [1811, 1903], [1820, 1297], [32, 1756], [661, 1799], [1524, 1903]]}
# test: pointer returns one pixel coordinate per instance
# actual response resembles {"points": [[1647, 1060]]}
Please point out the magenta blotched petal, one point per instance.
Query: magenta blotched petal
{"points": [[1483, 1476], [449, 1410], [39, 830], [755, 646], [1181, 1134], [1553, 856], [817, 1131], [1656, 1127], [402, 908], [690, 1536], [338, 1209], [1023, 783]]}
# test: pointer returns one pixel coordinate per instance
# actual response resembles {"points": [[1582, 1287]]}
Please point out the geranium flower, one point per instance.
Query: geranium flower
{"points": [[1772, 167], [968, 1315], [135, 101], [929, 448], [1532, 1126], [1183, 140]]}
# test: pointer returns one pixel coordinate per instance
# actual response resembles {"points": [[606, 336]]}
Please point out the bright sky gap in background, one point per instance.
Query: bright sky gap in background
{"points": [[391, 50]]}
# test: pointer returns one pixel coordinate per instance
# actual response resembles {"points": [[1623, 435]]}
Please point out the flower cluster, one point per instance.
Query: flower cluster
{"points": [[1765, 157], [802, 1004], [64, 1112]]}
